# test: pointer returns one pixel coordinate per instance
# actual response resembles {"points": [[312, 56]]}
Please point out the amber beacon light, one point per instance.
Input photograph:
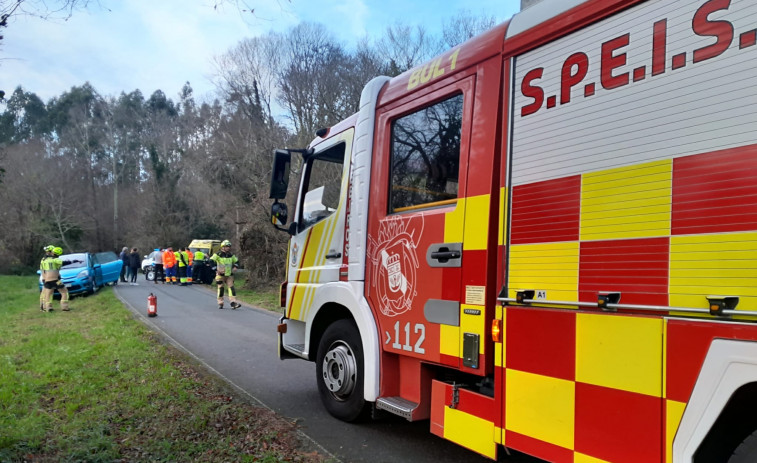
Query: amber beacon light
{"points": [[497, 330]]}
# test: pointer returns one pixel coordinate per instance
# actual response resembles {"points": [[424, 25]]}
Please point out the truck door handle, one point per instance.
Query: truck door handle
{"points": [[445, 255], [333, 255]]}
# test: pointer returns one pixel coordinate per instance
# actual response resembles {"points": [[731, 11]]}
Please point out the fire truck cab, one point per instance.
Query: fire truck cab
{"points": [[543, 239]]}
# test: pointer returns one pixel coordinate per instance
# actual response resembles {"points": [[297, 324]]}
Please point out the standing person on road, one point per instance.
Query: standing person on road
{"points": [[157, 264], [182, 260], [50, 267], [125, 263], [169, 265], [190, 263], [226, 263], [134, 261], [198, 266]]}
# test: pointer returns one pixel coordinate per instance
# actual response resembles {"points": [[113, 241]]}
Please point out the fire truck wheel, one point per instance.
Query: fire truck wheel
{"points": [[339, 366], [747, 451]]}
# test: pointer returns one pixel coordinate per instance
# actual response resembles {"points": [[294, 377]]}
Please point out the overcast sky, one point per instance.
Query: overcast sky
{"points": [[161, 44]]}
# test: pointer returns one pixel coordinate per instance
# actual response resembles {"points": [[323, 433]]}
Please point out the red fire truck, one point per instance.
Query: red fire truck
{"points": [[544, 239]]}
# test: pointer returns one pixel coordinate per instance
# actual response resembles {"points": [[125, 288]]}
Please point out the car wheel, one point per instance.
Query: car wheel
{"points": [[340, 371], [149, 273]]}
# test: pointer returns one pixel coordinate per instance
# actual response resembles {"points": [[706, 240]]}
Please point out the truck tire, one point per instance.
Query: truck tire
{"points": [[340, 371], [747, 451]]}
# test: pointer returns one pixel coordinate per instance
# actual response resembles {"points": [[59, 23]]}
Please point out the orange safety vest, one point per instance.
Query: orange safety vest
{"points": [[169, 259], [191, 256]]}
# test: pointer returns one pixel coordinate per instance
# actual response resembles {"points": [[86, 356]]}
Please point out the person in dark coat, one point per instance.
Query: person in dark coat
{"points": [[134, 261], [124, 256]]}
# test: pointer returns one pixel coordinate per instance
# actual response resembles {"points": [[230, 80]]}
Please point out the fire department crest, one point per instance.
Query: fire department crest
{"points": [[394, 263], [295, 255]]}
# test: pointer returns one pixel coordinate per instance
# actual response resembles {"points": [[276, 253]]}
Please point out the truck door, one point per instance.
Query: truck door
{"points": [[415, 241], [316, 250]]}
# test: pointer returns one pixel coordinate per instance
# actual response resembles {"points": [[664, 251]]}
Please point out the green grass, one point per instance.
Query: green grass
{"points": [[96, 385], [266, 298]]}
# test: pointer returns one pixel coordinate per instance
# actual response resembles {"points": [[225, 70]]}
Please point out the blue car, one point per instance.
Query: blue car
{"points": [[90, 273]]}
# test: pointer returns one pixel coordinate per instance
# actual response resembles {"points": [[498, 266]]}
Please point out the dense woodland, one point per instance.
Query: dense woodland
{"points": [[97, 172]]}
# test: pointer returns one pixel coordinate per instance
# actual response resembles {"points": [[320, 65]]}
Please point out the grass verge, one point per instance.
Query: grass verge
{"points": [[96, 385], [266, 298]]}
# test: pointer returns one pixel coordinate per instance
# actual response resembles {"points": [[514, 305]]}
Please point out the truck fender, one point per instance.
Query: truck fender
{"points": [[728, 366], [350, 296]]}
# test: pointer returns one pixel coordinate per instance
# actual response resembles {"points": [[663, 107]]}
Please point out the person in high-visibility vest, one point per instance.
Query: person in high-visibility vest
{"points": [[182, 262], [169, 265], [190, 262], [50, 267], [226, 263], [198, 266]]}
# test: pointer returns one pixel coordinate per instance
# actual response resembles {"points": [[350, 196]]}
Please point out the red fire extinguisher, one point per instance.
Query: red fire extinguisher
{"points": [[152, 305]]}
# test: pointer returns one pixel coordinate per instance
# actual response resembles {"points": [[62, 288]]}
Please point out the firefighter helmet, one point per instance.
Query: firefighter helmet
{"points": [[225, 243], [57, 250]]}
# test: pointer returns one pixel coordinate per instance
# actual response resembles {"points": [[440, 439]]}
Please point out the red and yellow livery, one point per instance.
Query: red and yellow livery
{"points": [[546, 238]]}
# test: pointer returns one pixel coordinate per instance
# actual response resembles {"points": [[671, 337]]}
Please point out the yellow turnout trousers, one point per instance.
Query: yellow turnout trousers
{"points": [[227, 281], [46, 298]]}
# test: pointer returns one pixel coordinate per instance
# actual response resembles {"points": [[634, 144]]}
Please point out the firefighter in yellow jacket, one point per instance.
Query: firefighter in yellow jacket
{"points": [[50, 267], [226, 262]]}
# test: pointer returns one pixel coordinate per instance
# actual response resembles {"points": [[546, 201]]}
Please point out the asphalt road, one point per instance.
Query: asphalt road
{"points": [[240, 346]]}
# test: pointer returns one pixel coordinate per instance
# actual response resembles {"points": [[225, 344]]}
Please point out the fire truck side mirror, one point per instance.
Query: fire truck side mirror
{"points": [[280, 174], [279, 214], [279, 217]]}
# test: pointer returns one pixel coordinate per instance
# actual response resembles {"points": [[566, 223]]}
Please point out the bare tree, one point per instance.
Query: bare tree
{"points": [[79, 129], [463, 26], [244, 6], [21, 217], [247, 74], [64, 9], [50, 9], [122, 131], [405, 47], [366, 63], [61, 200], [43, 9], [44, 194], [311, 80]]}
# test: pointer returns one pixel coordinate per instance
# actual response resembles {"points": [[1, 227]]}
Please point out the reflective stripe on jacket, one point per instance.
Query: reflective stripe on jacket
{"points": [[169, 259], [225, 261]]}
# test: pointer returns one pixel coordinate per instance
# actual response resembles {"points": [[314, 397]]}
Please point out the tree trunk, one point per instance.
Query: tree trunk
{"points": [[115, 204]]}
